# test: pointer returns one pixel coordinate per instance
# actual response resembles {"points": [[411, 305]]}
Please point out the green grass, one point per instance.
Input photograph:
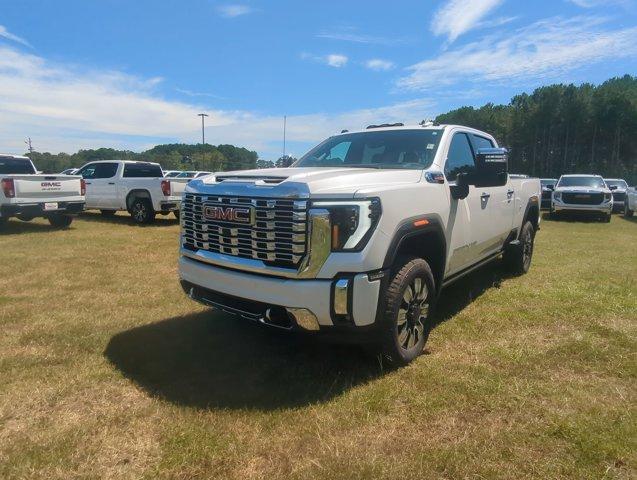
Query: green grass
{"points": [[108, 370]]}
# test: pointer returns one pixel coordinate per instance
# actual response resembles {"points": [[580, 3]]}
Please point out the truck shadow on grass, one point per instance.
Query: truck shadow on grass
{"points": [[213, 360], [18, 227], [126, 219]]}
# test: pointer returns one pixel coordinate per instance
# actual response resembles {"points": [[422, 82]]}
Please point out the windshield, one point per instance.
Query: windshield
{"points": [[409, 149], [592, 182], [16, 166], [547, 181], [186, 175], [617, 183]]}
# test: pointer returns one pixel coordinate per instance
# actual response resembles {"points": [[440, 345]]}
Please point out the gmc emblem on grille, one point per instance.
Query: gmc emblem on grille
{"points": [[222, 213]]}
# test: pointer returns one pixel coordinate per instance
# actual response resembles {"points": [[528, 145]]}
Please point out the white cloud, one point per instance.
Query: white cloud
{"points": [[351, 34], [459, 16], [598, 3], [4, 33], [543, 50], [191, 93], [64, 108], [379, 65], [234, 10], [335, 60]]}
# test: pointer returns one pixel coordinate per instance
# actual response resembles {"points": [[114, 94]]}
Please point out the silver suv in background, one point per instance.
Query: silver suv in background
{"points": [[548, 185], [582, 194], [619, 187]]}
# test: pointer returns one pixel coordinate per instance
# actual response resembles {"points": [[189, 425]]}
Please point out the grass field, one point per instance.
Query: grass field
{"points": [[108, 371]]}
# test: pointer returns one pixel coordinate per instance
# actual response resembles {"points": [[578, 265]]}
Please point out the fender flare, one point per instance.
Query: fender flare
{"points": [[137, 193]]}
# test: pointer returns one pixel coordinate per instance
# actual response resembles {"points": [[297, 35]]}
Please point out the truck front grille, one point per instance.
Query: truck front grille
{"points": [[582, 198], [274, 230], [619, 196]]}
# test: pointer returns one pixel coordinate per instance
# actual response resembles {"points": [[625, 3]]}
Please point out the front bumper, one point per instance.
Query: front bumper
{"points": [[350, 300], [37, 209], [558, 206]]}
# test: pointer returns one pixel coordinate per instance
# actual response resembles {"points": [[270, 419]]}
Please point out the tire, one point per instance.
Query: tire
{"points": [[142, 211], [517, 258], [607, 218], [406, 319], [176, 214], [627, 211], [3, 222], [60, 220], [108, 213]]}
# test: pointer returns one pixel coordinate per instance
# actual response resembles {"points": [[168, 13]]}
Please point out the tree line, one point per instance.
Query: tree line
{"points": [[176, 156], [564, 129]]}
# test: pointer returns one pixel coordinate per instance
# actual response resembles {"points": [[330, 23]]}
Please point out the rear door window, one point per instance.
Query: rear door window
{"points": [[142, 170], [482, 142]]}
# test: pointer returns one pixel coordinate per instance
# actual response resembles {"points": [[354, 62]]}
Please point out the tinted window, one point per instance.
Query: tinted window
{"points": [[593, 182], [460, 158], [376, 149], [547, 181], [481, 142], [98, 170], [139, 170], [186, 175], [16, 166], [617, 183]]}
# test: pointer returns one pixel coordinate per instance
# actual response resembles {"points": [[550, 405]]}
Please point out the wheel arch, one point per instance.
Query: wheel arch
{"points": [[424, 240], [135, 194], [531, 213]]}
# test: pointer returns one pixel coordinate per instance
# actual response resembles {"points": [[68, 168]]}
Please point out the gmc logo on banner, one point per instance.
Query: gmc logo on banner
{"points": [[222, 213]]}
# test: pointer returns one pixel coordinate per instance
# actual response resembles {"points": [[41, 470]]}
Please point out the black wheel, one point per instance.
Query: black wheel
{"points": [[176, 214], [607, 218], [108, 213], [517, 258], [142, 211], [3, 222], [627, 211], [59, 220], [408, 304]]}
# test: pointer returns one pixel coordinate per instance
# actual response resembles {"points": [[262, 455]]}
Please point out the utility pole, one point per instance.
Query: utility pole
{"points": [[285, 122], [203, 134], [28, 142]]}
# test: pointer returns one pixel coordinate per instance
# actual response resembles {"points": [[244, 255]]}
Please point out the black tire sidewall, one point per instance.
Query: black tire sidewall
{"points": [[406, 271], [149, 211], [60, 220]]}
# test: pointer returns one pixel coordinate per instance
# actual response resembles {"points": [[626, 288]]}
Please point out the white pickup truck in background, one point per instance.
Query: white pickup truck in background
{"points": [[27, 195], [136, 187]]}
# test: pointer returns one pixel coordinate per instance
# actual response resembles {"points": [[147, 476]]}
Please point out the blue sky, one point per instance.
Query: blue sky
{"points": [[131, 74]]}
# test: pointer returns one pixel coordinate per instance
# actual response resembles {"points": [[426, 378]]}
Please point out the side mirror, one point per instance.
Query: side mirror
{"points": [[492, 167], [613, 187], [550, 187], [461, 189]]}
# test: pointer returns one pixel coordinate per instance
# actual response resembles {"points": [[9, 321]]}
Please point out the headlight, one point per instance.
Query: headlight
{"points": [[557, 196], [608, 197], [351, 223]]}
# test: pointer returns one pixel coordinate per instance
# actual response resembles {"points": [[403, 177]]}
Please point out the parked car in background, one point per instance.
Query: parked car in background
{"points": [[630, 204], [69, 171], [26, 195], [618, 186], [171, 173], [136, 187], [548, 185], [582, 194], [191, 174], [361, 235]]}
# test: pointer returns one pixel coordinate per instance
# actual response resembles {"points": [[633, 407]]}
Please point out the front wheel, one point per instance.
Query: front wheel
{"points": [[176, 214], [607, 218], [142, 211], [408, 305], [3, 222], [60, 220], [627, 211], [518, 257]]}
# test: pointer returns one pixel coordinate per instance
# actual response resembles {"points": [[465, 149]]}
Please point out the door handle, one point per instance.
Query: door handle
{"points": [[111, 183], [87, 183], [510, 193], [485, 196]]}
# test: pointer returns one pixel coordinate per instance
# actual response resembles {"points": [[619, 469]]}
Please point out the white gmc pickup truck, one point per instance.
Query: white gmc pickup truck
{"points": [[137, 187], [360, 235], [26, 195]]}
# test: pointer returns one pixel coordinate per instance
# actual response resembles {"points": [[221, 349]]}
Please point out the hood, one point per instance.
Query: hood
{"points": [[314, 181], [582, 189]]}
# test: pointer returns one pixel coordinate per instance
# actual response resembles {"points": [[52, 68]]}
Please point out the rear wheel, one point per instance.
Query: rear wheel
{"points": [[108, 213], [408, 303], [60, 220], [627, 211], [142, 211], [517, 258], [176, 214]]}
